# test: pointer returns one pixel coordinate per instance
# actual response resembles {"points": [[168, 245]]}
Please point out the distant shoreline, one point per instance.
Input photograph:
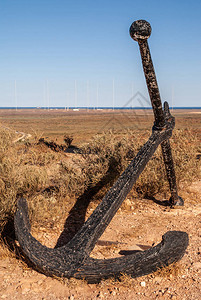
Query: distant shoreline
{"points": [[94, 108]]}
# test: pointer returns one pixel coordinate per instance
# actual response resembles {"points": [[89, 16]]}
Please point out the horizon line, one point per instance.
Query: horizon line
{"points": [[93, 107]]}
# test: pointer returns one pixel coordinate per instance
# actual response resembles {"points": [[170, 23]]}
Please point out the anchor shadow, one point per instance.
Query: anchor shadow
{"points": [[165, 203], [77, 214]]}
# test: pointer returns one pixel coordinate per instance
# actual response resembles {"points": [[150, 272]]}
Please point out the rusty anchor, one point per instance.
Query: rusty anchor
{"points": [[73, 259], [140, 31]]}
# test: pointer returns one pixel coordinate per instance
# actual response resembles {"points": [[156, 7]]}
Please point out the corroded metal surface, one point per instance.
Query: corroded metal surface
{"points": [[73, 259], [140, 31]]}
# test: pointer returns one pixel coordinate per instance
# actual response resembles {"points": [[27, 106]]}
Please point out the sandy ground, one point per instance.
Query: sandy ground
{"points": [[137, 225]]}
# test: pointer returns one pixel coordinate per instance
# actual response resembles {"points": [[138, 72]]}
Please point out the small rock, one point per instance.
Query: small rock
{"points": [[100, 295], [197, 265], [157, 279], [42, 229], [143, 283], [24, 288], [127, 202]]}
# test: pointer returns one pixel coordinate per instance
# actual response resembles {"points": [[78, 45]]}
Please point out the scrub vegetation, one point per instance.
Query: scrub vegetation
{"points": [[52, 180]]}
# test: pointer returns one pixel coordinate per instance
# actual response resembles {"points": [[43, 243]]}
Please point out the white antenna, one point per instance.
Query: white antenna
{"points": [[75, 94], [113, 95], [67, 96], [15, 95], [172, 97], [132, 91], [44, 96], [97, 95], [48, 96], [87, 95]]}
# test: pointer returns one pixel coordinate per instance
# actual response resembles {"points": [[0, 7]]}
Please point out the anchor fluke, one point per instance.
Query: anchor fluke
{"points": [[64, 262]]}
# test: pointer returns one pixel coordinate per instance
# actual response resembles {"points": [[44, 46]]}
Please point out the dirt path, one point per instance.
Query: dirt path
{"points": [[23, 136], [136, 226]]}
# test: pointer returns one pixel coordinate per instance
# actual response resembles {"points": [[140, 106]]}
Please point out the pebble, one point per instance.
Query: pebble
{"points": [[143, 283], [24, 288], [197, 265], [128, 202], [157, 279], [100, 295]]}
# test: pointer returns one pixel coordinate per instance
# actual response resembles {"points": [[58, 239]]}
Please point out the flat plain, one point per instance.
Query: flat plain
{"points": [[83, 124]]}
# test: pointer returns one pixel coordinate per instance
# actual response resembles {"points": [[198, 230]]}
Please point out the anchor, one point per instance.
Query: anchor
{"points": [[73, 259]]}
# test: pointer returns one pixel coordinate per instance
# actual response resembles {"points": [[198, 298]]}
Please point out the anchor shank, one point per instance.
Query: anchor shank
{"points": [[154, 93], [140, 32], [152, 84]]}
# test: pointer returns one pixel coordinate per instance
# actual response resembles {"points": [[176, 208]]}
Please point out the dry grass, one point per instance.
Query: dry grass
{"points": [[173, 270], [22, 173], [185, 146], [106, 156], [49, 180]]}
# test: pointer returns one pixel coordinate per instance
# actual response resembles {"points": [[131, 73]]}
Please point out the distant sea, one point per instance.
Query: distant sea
{"points": [[95, 108]]}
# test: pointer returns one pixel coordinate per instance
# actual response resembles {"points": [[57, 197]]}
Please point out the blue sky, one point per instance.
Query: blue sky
{"points": [[48, 47]]}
